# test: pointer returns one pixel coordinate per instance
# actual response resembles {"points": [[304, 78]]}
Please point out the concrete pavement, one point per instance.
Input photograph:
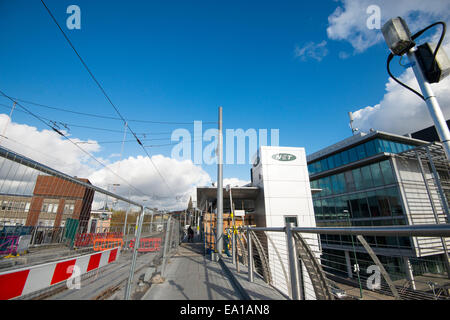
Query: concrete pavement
{"points": [[192, 276]]}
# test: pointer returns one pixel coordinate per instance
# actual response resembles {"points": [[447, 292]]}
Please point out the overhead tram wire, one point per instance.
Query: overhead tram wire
{"points": [[106, 95], [64, 124], [106, 117], [70, 140], [157, 139], [67, 125]]}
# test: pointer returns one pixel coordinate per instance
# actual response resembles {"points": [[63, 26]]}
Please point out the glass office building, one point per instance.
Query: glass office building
{"points": [[360, 182]]}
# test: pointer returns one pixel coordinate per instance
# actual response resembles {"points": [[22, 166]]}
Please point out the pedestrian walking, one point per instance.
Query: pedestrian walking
{"points": [[190, 234]]}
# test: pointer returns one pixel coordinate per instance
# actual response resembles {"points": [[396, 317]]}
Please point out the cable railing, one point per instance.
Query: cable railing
{"points": [[295, 261]]}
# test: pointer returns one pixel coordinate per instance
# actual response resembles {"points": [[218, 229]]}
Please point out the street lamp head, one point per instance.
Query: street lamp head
{"points": [[397, 36], [228, 187]]}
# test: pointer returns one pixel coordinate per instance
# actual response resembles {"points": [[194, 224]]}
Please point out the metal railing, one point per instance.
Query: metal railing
{"points": [[46, 215], [298, 262]]}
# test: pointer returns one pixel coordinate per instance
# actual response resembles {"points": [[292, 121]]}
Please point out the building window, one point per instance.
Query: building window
{"points": [[370, 148], [330, 162], [376, 174], [291, 220], [366, 177], [363, 206], [394, 201], [383, 203], [344, 155], [50, 206], [324, 164], [386, 169], [359, 152], [359, 184], [68, 208], [373, 204], [353, 155], [349, 181], [338, 159]]}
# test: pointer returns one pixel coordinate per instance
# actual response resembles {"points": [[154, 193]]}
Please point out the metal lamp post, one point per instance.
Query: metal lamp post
{"points": [[400, 41], [219, 232]]}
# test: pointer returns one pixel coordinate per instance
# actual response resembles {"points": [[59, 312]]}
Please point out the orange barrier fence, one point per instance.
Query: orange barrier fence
{"points": [[105, 244], [147, 244], [88, 239]]}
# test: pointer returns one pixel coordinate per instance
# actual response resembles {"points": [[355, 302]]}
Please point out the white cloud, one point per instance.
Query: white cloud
{"points": [[182, 178], [50, 149], [47, 147], [312, 50], [349, 21]]}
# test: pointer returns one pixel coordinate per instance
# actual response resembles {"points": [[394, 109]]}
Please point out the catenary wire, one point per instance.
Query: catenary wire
{"points": [[104, 116], [64, 124], [70, 140]]}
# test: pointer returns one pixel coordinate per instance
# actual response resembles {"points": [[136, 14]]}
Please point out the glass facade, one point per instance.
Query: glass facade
{"points": [[359, 152], [365, 196], [366, 177], [371, 208]]}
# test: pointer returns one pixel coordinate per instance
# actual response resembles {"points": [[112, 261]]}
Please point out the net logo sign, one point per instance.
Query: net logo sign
{"points": [[284, 157]]}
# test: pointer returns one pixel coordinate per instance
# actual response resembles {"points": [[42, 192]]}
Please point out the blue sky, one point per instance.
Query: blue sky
{"points": [[179, 60]]}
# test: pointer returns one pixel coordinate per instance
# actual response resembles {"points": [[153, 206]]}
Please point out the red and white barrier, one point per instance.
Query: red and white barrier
{"points": [[19, 282]]}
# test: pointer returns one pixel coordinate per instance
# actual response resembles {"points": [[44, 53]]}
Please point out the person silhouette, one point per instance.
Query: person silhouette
{"points": [[190, 234]]}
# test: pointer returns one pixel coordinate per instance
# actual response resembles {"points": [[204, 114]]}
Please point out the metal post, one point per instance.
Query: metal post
{"points": [[432, 104], [151, 222], [125, 223], [204, 228], [166, 244], [356, 259], [135, 251], [250, 255], [219, 232], [233, 236], [409, 272], [349, 264], [293, 264]]}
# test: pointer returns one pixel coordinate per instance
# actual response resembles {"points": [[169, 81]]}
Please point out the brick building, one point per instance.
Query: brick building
{"points": [[54, 200]]}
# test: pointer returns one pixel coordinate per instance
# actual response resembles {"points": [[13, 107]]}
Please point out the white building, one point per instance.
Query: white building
{"points": [[278, 194]]}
